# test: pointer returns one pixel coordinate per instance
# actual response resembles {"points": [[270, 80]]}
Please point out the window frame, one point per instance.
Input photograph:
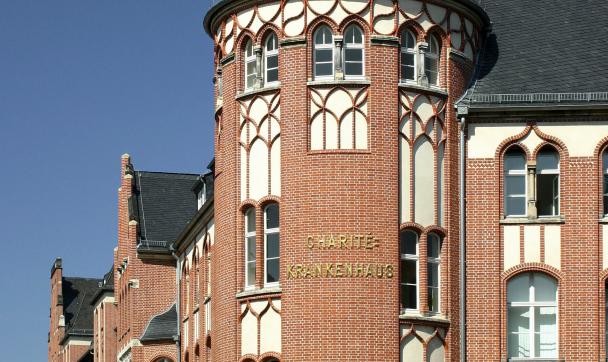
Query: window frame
{"points": [[515, 173], [250, 284], [416, 259], [272, 53], [268, 231], [533, 305], [405, 50], [355, 46], [434, 57], [249, 59], [323, 46], [552, 171], [605, 183], [434, 261]]}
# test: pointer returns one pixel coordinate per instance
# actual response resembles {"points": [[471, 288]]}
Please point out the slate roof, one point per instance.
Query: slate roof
{"points": [[165, 204], [544, 46], [106, 285], [161, 327], [77, 309]]}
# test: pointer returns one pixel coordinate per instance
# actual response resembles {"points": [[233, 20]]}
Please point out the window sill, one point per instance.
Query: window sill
{"points": [[340, 151], [603, 220], [524, 359], [540, 220], [322, 82], [418, 87], [258, 292], [254, 91], [416, 317]]}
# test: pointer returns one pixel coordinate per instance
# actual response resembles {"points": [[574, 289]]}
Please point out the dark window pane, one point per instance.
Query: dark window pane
{"points": [[515, 185], [354, 69], [433, 246], [323, 55], [408, 271], [407, 59], [545, 202], [515, 160], [407, 72], [272, 245], [324, 69], [515, 205], [433, 274], [408, 242], [251, 220], [547, 160], [272, 61], [272, 75], [433, 300], [272, 270], [353, 55], [408, 297], [272, 216], [251, 273], [251, 248]]}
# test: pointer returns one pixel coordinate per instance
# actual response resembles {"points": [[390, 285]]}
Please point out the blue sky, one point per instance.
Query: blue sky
{"points": [[81, 83]]}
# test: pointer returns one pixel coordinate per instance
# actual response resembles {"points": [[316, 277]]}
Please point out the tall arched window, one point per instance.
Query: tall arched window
{"points": [[408, 56], [433, 248], [323, 53], [515, 182], [605, 178], [431, 61], [250, 253], [408, 249], [547, 182], [250, 71], [532, 316], [354, 64], [271, 245], [271, 59]]}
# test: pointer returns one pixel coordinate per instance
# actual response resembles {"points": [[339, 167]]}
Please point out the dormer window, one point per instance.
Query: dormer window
{"points": [[201, 195]]}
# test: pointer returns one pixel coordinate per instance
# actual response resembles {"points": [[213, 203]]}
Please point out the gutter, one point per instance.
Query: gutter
{"points": [[462, 246], [177, 336]]}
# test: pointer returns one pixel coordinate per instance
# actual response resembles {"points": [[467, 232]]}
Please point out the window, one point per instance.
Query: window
{"points": [[547, 182], [250, 71], [605, 177], [208, 317], [323, 53], [433, 276], [408, 247], [532, 316], [431, 62], [250, 254], [271, 245], [201, 195], [408, 56], [271, 59], [353, 52], [515, 182]]}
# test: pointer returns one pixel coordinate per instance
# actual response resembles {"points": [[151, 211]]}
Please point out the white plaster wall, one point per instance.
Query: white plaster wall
{"points": [[411, 350], [404, 175], [511, 247], [440, 181], [424, 182], [605, 246], [270, 332], [258, 170], [275, 168], [435, 351], [346, 131], [553, 245], [360, 132], [316, 133], [531, 244], [249, 334], [484, 139], [244, 162]]}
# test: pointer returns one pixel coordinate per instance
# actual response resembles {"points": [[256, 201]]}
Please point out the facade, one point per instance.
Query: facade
{"points": [[393, 180]]}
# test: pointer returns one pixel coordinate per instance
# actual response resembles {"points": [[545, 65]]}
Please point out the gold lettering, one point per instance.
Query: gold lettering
{"points": [[321, 241], [310, 241], [317, 270], [331, 242], [343, 239], [329, 270], [369, 272], [389, 270], [348, 269], [379, 271], [359, 270], [339, 270], [290, 272]]}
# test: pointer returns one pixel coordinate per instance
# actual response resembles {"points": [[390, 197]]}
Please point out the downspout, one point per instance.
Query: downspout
{"points": [[462, 271], [177, 337]]}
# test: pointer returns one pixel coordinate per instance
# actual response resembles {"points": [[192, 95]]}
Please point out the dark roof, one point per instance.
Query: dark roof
{"points": [[161, 327], [544, 46], [86, 357], [77, 309], [165, 204], [106, 285]]}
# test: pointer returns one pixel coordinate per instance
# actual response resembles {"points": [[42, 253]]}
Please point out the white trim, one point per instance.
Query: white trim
{"points": [[268, 231], [268, 54], [323, 46], [405, 50], [248, 60], [248, 283], [361, 46], [416, 258]]}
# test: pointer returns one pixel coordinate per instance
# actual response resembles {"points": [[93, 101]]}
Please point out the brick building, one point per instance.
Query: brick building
{"points": [[393, 180]]}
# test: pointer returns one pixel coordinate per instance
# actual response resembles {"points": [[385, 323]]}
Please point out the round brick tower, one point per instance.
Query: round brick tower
{"points": [[336, 164]]}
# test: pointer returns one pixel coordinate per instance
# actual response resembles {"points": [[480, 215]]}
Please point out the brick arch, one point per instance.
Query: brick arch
{"points": [[532, 267], [242, 38], [265, 31], [559, 145], [436, 31], [357, 20], [267, 200], [436, 230], [248, 358], [414, 27], [510, 141], [317, 23], [412, 226], [267, 356], [159, 357]]}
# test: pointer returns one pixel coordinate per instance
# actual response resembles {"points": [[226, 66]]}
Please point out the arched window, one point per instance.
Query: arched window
{"points": [[547, 182], [408, 56], [250, 71], [433, 242], [271, 59], [532, 316], [605, 177], [271, 245], [250, 253], [354, 65], [408, 249], [431, 61], [163, 360], [515, 182], [323, 53]]}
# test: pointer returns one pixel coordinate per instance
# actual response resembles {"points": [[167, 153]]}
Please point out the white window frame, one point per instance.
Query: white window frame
{"points": [[268, 231], [415, 258], [533, 304], [208, 316], [604, 188], [249, 284], [435, 261], [321, 47], [516, 173], [268, 54], [431, 56], [196, 333], [249, 58], [361, 46], [551, 171], [201, 196], [406, 50]]}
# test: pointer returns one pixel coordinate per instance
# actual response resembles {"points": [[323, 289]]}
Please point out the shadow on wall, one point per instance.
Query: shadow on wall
{"points": [[69, 294]]}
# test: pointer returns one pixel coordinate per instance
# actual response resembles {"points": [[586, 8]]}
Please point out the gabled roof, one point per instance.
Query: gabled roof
{"points": [[105, 286], [165, 204], [544, 47], [161, 327], [77, 309]]}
